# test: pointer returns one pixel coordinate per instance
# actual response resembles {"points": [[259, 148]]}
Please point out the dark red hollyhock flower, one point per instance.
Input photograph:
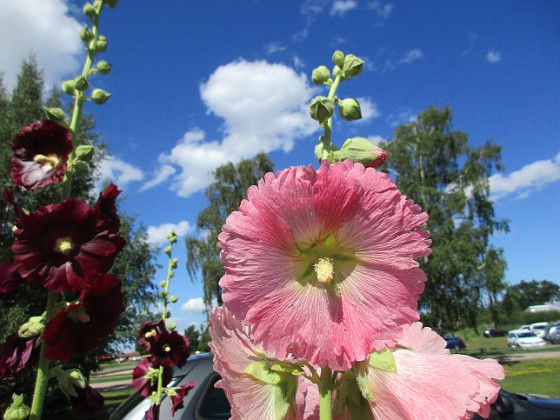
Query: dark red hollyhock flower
{"points": [[142, 382], [87, 402], [78, 328], [41, 153], [10, 280], [107, 209], [63, 247], [15, 354], [170, 349], [148, 332], [152, 413], [180, 393]]}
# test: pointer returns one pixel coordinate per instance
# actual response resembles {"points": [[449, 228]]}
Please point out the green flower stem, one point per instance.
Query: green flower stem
{"points": [[325, 394], [326, 138], [43, 369]]}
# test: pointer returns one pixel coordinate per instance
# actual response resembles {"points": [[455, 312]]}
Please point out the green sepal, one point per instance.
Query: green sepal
{"points": [[81, 84], [320, 75], [80, 168], [171, 326], [69, 87], [338, 58], [57, 115], [321, 109], [17, 410], [261, 372], [99, 96], [383, 360], [69, 380], [33, 327], [84, 152], [362, 380], [86, 34]]}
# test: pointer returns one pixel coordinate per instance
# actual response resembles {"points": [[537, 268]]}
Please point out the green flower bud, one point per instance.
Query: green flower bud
{"points": [[171, 326], [167, 250], [363, 151], [18, 410], [101, 44], [338, 58], [32, 328], [81, 84], [69, 87], [321, 109], [69, 380], [163, 283], [174, 299], [349, 109], [80, 169], [320, 75], [103, 67], [352, 66], [99, 96], [57, 115], [174, 263], [168, 314], [86, 34], [89, 10], [172, 237], [84, 152]]}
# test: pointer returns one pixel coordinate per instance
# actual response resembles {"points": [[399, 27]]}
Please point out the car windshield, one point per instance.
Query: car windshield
{"points": [[525, 334]]}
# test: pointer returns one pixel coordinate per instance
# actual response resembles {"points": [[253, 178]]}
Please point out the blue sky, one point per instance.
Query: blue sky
{"points": [[197, 83]]}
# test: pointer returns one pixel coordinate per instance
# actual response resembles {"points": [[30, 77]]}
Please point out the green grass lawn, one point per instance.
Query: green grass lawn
{"points": [[537, 376]]}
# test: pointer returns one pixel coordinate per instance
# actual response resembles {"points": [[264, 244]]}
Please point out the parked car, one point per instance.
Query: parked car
{"points": [[494, 332], [525, 340], [205, 402], [538, 328], [551, 332], [454, 343]]}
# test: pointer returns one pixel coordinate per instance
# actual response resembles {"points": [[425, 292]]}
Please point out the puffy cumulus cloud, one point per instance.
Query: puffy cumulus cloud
{"points": [[118, 172], [494, 57], [43, 28], [196, 305], [532, 177], [264, 108], [369, 109], [157, 235], [341, 7]]}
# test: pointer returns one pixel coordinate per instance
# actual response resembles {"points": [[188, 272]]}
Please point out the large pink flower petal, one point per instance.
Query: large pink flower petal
{"points": [[354, 218]]}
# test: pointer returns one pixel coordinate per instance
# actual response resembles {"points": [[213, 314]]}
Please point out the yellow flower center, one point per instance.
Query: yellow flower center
{"points": [[64, 245], [324, 268], [51, 160], [167, 349]]}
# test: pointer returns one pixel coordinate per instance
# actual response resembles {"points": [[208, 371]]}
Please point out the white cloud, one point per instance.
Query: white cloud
{"points": [[118, 172], [369, 109], [164, 172], [196, 305], [383, 11], [494, 57], [340, 7], [274, 48], [44, 28], [532, 177], [264, 108], [157, 235], [411, 56]]}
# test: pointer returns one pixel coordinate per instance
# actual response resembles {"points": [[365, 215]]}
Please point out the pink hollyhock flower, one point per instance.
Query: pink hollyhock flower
{"points": [[321, 263], [78, 328], [41, 153], [64, 246], [253, 387], [16, 353], [144, 377], [179, 394], [408, 384]]}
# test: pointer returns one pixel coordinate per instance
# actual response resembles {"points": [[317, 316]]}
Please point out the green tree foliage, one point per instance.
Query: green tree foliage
{"points": [[437, 167], [224, 195], [526, 293], [194, 338]]}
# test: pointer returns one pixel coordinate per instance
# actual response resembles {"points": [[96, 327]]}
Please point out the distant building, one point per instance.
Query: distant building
{"points": [[545, 307]]}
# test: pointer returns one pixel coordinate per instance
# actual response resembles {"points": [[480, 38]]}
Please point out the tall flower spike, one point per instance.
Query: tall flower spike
{"points": [[41, 153], [321, 263]]}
